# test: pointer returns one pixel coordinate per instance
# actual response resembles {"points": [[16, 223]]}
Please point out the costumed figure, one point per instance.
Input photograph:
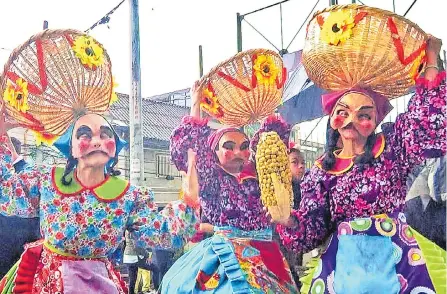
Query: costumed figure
{"points": [[353, 196], [57, 84], [240, 257]]}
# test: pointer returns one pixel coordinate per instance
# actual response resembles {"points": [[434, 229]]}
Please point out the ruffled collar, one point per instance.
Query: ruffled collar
{"points": [[111, 189], [344, 164]]}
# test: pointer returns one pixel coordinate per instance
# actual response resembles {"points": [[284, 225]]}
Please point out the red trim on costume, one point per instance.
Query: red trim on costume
{"points": [[27, 268], [33, 89], [279, 84], [233, 81], [272, 260], [254, 79], [344, 164], [359, 16], [431, 84], [40, 62], [398, 44]]}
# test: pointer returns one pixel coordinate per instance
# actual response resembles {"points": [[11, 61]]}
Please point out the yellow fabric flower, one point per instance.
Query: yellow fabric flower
{"points": [[416, 69], [337, 28], [89, 52], [114, 97], [210, 103], [44, 138], [265, 69], [16, 94]]}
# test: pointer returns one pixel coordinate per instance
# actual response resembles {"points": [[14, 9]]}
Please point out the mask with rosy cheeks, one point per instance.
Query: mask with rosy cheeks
{"points": [[93, 140], [233, 151], [354, 116]]}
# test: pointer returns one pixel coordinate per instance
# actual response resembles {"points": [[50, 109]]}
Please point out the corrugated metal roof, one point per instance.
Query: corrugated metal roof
{"points": [[159, 118]]}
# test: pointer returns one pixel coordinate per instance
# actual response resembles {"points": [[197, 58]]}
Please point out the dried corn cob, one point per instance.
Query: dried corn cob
{"points": [[272, 159]]}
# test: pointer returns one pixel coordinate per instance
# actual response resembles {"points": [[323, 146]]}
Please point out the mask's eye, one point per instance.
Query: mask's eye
{"points": [[106, 132], [364, 116], [228, 145], [244, 146], [84, 132], [342, 112]]}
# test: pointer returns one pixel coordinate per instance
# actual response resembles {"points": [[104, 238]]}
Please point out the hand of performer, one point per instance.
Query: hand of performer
{"points": [[206, 228], [433, 48], [4, 125], [281, 213], [195, 100]]}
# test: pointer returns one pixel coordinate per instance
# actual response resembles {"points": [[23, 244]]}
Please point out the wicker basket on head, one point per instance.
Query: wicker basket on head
{"points": [[355, 45], [53, 78], [245, 88]]}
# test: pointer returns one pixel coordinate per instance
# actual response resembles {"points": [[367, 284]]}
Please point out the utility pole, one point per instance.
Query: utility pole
{"points": [[200, 61], [239, 31], [135, 123]]}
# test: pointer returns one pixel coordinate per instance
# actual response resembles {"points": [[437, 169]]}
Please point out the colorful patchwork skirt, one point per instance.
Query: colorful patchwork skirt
{"points": [[380, 254], [41, 270], [231, 261]]}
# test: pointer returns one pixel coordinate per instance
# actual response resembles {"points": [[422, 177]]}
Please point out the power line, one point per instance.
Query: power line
{"points": [[106, 18]]}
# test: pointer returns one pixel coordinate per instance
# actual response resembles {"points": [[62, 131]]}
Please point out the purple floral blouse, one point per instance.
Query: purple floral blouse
{"points": [[225, 199], [329, 198]]}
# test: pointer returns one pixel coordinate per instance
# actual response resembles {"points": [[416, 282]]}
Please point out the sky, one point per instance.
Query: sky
{"points": [[172, 30]]}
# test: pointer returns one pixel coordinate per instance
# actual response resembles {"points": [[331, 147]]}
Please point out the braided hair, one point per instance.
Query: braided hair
{"points": [[69, 167], [332, 137]]}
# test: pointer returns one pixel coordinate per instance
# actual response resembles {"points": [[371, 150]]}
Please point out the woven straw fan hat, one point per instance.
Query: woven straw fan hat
{"points": [[359, 46], [244, 88], [55, 77]]}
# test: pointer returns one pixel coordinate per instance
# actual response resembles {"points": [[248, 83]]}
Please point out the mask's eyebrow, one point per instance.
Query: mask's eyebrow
{"points": [[343, 104], [83, 130], [107, 130], [365, 107]]}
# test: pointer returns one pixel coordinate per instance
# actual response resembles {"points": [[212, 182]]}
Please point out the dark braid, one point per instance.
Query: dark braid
{"points": [[367, 157], [69, 167], [332, 137], [111, 169]]}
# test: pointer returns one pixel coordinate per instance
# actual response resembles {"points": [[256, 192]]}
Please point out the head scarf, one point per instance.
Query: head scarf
{"points": [[214, 138], [63, 143], [383, 105]]}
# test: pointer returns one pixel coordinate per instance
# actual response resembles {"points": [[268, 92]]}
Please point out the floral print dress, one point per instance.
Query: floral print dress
{"points": [[82, 226], [241, 256], [344, 204]]}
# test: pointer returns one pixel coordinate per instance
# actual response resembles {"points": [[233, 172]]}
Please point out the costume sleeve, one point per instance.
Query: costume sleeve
{"points": [[273, 123], [420, 132], [193, 134], [169, 228], [19, 191], [313, 216]]}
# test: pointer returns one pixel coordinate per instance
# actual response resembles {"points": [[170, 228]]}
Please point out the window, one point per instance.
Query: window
{"points": [[164, 166]]}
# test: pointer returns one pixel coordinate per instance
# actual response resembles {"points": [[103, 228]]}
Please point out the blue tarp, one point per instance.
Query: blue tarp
{"points": [[304, 106]]}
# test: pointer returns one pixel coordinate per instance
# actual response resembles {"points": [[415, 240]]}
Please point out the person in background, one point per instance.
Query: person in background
{"points": [[135, 258], [297, 167], [15, 231]]}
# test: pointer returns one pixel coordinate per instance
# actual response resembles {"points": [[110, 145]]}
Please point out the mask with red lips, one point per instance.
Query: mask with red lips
{"points": [[93, 141]]}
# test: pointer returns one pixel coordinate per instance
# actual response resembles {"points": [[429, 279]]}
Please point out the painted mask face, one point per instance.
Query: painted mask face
{"points": [[354, 116], [93, 141], [233, 152], [297, 165]]}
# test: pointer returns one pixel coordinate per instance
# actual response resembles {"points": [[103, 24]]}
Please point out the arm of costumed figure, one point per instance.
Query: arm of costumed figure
{"points": [[420, 132], [273, 123], [170, 228], [310, 225], [20, 188]]}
